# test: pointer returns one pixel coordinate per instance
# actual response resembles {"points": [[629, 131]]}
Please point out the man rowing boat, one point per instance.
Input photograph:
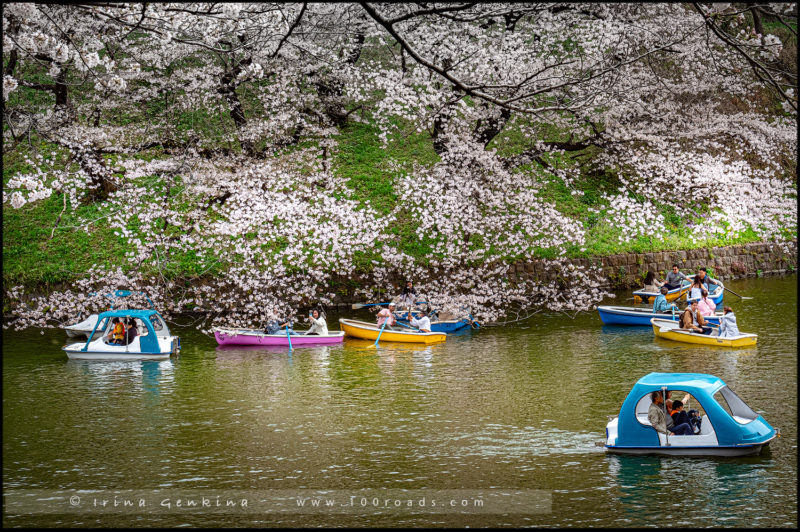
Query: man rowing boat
{"points": [[387, 314]]}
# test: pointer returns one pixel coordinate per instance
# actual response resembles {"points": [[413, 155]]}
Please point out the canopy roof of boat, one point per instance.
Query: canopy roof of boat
{"points": [[133, 313], [682, 381]]}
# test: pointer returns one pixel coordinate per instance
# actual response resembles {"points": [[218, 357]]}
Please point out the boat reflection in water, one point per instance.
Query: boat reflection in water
{"points": [[719, 486]]}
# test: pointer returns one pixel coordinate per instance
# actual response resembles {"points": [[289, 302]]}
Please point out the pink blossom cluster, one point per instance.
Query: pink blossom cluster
{"points": [[207, 134]]}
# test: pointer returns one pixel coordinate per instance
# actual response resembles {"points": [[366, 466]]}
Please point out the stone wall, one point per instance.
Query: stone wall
{"points": [[621, 271], [627, 270]]}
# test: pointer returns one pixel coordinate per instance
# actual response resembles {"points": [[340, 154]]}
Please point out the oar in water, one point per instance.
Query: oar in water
{"points": [[379, 334], [734, 293], [288, 336]]}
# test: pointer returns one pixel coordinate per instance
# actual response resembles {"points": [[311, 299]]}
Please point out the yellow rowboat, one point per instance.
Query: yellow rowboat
{"points": [[643, 296], [369, 331], [671, 330]]}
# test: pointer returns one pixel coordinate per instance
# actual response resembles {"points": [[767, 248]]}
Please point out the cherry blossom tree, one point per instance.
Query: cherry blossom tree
{"points": [[208, 132]]}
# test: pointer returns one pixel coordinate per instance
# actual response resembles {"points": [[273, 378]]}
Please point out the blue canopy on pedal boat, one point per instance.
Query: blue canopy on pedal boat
{"points": [[149, 317]]}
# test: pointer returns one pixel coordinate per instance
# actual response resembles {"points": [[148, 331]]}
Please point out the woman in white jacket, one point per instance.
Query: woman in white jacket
{"points": [[727, 324], [318, 325]]}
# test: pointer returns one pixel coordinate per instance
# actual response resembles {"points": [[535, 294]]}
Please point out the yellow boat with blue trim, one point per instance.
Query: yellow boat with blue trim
{"points": [[370, 331], [671, 330]]}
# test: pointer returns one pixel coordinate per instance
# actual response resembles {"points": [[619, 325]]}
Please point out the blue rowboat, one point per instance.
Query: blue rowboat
{"points": [[445, 326], [727, 426], [641, 316]]}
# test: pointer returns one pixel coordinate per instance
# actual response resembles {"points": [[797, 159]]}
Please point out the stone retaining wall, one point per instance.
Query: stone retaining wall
{"points": [[627, 270], [621, 271]]}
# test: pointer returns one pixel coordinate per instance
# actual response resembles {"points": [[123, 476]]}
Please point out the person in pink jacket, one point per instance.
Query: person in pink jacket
{"points": [[706, 306]]}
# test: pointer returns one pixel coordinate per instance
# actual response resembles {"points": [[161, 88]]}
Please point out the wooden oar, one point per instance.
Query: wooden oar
{"points": [[379, 334]]}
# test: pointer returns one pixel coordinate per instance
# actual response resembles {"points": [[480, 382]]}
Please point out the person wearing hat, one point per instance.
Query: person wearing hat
{"points": [[387, 314], [423, 323]]}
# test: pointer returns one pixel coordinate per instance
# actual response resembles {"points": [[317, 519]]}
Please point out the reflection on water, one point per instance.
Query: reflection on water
{"points": [[720, 486], [518, 407]]}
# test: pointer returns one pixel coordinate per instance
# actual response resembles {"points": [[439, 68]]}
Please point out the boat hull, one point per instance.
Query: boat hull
{"points": [[370, 331], [99, 350], [642, 296], [738, 450], [258, 338], [679, 335], [635, 316], [444, 326], [79, 355]]}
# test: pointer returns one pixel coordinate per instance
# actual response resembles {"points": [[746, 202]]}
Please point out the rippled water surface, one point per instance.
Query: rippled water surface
{"points": [[512, 408]]}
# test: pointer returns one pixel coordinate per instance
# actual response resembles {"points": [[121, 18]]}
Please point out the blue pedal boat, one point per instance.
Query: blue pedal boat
{"points": [[728, 428], [153, 341], [641, 316]]}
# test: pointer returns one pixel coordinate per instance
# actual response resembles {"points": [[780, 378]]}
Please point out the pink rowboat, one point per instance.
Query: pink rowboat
{"points": [[256, 337]]}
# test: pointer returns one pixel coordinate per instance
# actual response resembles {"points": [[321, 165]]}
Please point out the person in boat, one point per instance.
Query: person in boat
{"points": [[674, 278], [706, 306], [423, 323], [695, 421], [274, 326], [131, 331], [157, 325], [727, 323], [692, 320], [696, 290], [118, 332], [657, 416], [387, 315], [661, 304], [668, 402], [705, 279], [651, 284], [318, 325], [679, 416], [409, 294]]}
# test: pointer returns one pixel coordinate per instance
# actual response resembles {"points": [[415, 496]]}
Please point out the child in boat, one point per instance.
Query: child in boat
{"points": [[678, 415], [727, 324], [118, 333], [661, 304], [706, 306], [695, 421]]}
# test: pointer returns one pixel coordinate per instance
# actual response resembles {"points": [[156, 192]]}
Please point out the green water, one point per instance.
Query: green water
{"points": [[487, 412]]}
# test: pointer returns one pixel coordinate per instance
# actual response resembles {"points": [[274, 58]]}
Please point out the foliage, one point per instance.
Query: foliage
{"points": [[236, 158]]}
